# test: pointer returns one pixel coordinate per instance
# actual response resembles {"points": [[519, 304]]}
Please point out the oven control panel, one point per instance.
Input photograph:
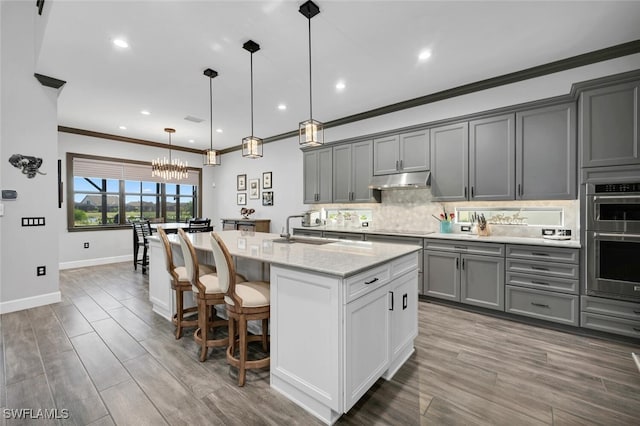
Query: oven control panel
{"points": [[617, 187]]}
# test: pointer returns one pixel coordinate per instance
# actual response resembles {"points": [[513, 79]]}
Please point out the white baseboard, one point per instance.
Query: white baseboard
{"points": [[30, 302], [95, 262]]}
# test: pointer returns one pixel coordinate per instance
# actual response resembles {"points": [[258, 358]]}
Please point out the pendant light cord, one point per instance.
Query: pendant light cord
{"points": [[169, 147], [251, 95], [310, 92], [210, 115]]}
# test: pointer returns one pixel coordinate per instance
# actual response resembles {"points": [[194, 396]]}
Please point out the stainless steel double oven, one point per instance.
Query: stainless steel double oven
{"points": [[613, 240]]}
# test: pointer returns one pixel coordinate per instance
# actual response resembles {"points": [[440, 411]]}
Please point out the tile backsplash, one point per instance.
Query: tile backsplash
{"points": [[413, 210]]}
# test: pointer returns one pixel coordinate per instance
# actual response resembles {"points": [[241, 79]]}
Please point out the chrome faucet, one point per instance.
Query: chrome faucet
{"points": [[286, 234]]}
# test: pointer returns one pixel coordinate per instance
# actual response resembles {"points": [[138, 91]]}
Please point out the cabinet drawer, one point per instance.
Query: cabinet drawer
{"points": [[343, 235], [610, 324], [485, 249], [543, 282], [547, 269], [546, 254], [246, 227], [367, 281], [616, 308], [405, 264], [546, 305]]}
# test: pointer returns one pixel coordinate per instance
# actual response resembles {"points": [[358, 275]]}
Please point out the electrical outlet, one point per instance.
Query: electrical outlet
{"points": [[86, 245], [41, 270]]}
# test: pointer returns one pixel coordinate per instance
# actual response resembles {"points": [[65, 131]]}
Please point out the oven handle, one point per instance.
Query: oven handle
{"points": [[617, 236], [615, 197]]}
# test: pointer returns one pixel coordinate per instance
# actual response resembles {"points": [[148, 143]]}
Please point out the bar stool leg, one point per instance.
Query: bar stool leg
{"points": [[243, 350]]}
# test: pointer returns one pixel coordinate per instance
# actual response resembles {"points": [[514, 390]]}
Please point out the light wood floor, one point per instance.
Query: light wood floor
{"points": [[104, 356]]}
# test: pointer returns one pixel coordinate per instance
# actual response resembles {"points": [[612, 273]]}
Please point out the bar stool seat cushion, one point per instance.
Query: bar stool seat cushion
{"points": [[212, 284], [182, 271], [253, 294]]}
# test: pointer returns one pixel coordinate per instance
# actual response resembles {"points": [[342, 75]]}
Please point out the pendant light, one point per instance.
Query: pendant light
{"points": [[251, 145], [171, 169], [311, 132], [211, 156]]}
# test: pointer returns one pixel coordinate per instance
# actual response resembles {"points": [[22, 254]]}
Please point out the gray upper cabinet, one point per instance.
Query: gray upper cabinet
{"points": [[610, 125], [352, 172], [492, 158], [449, 162], [546, 153], [318, 175], [407, 152]]}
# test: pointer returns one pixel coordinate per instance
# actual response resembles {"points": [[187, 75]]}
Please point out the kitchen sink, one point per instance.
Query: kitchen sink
{"points": [[314, 241]]}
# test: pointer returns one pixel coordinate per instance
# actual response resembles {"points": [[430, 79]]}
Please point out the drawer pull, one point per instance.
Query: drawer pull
{"points": [[539, 282], [539, 254], [539, 268], [372, 281], [541, 305]]}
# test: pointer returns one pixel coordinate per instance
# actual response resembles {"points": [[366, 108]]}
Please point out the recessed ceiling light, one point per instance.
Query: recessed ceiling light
{"points": [[219, 130], [424, 55], [192, 140], [340, 85], [145, 112], [282, 107], [123, 127], [121, 43]]}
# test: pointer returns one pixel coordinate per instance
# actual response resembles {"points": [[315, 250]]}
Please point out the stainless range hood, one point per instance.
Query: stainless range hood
{"points": [[401, 181]]}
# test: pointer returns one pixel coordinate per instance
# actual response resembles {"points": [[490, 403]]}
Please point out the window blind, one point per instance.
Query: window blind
{"points": [[107, 169]]}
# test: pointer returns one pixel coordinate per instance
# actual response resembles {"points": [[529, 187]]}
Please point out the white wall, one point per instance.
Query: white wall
{"points": [[29, 127]]}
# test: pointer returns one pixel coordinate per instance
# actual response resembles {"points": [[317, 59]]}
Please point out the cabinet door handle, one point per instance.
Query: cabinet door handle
{"points": [[539, 268], [397, 163], [457, 263], [405, 301], [539, 254], [371, 282], [401, 166], [463, 264], [391, 308], [520, 189], [542, 305], [472, 192], [539, 282], [465, 192]]}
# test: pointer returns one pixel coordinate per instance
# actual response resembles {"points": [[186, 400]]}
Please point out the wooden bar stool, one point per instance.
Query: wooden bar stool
{"points": [[180, 283], [245, 301]]}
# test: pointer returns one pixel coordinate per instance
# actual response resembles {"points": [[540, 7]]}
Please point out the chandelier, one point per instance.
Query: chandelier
{"points": [[171, 169], [311, 132]]}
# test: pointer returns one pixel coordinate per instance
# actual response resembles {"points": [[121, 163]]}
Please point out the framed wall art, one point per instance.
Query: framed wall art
{"points": [[242, 199], [241, 183], [254, 189], [266, 180], [267, 198]]}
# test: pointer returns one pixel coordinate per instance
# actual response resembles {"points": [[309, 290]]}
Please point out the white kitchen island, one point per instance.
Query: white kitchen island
{"points": [[343, 313]]}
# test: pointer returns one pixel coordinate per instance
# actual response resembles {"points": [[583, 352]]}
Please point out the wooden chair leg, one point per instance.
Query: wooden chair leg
{"points": [[265, 333], [232, 336], [204, 327], [243, 350], [179, 313]]}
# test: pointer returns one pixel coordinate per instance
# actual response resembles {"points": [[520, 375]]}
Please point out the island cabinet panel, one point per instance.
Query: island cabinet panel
{"points": [[546, 141], [492, 158], [449, 162], [404, 319], [318, 176], [610, 125]]}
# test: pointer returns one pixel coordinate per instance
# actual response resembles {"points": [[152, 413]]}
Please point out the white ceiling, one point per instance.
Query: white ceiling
{"points": [[370, 45]]}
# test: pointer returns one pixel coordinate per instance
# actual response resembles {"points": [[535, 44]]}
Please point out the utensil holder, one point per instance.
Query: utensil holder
{"points": [[445, 227]]}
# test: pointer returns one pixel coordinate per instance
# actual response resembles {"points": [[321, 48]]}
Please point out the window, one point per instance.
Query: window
{"points": [[110, 193]]}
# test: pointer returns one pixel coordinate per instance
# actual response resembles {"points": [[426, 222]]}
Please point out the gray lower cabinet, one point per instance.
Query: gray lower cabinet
{"points": [[308, 232], [352, 172], [610, 125], [449, 162], [406, 152], [353, 236], [492, 158], [609, 315], [318, 176], [546, 153], [467, 273], [396, 239], [543, 283]]}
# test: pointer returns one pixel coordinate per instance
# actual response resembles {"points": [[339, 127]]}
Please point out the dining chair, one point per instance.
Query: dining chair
{"points": [[200, 225], [208, 293], [181, 284], [245, 301], [141, 230]]}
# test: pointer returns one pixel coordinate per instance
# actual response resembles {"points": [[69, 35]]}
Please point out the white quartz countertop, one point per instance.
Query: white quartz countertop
{"points": [[452, 236], [338, 257]]}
